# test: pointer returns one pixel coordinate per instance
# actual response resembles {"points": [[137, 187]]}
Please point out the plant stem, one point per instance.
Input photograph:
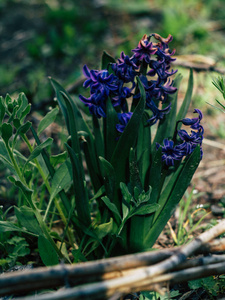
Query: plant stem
{"points": [[62, 215], [16, 167]]}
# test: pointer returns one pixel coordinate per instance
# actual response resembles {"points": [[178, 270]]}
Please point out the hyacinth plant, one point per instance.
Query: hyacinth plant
{"points": [[136, 152]]}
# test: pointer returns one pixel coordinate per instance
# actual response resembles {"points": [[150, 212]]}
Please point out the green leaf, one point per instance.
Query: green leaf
{"points": [[174, 192], [6, 226], [2, 109], [99, 193], [135, 180], [27, 219], [80, 190], [195, 284], [106, 60], [144, 196], [144, 149], [110, 132], [47, 252], [47, 120], [126, 193], [21, 130], [7, 132], [109, 177], [145, 209], [26, 191], [120, 158], [23, 104], [25, 112], [91, 160], [5, 159], [103, 229], [98, 136], [126, 201], [37, 151], [167, 125], [111, 206], [155, 176], [71, 108], [58, 159], [62, 178], [21, 250], [60, 91], [187, 100]]}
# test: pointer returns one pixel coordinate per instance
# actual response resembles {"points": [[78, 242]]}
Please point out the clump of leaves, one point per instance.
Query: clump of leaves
{"points": [[13, 250]]}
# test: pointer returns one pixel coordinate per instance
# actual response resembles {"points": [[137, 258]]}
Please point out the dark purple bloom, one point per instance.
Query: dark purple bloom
{"points": [[120, 96], [161, 68], [95, 105], [191, 141], [158, 114], [126, 68], [144, 50], [164, 90], [102, 85], [170, 153], [196, 137], [124, 118], [194, 122]]}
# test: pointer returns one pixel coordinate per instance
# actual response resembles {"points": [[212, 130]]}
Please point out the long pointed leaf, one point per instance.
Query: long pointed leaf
{"points": [[187, 100], [110, 132], [175, 196], [81, 199], [166, 126], [81, 124], [128, 138], [144, 149]]}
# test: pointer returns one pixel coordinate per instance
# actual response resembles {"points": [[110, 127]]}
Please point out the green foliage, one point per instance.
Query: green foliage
{"points": [[214, 286], [13, 250], [219, 83], [47, 252]]}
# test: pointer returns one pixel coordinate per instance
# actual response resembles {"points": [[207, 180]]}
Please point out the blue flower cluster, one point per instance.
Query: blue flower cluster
{"points": [[187, 143], [151, 62]]}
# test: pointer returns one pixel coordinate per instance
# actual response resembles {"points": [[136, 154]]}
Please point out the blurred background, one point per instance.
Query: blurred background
{"points": [[41, 38]]}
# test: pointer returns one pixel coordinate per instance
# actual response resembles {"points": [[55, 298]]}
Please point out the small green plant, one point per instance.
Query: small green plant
{"points": [[213, 286], [115, 184], [187, 223], [219, 83]]}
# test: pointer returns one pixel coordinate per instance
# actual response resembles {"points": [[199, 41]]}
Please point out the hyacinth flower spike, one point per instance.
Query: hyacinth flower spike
{"points": [[144, 50]]}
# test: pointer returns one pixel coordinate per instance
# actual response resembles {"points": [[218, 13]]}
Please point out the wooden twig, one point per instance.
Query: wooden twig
{"points": [[56, 276], [127, 280], [182, 276], [96, 291], [199, 63], [214, 144]]}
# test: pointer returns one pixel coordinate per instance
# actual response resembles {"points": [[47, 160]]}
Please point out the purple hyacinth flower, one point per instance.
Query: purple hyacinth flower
{"points": [[95, 106], [171, 153], [144, 50], [191, 141], [126, 68], [102, 85], [124, 118], [158, 114], [194, 123]]}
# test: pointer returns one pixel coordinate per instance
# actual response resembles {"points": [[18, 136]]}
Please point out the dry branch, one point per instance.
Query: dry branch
{"points": [[122, 274], [199, 63]]}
